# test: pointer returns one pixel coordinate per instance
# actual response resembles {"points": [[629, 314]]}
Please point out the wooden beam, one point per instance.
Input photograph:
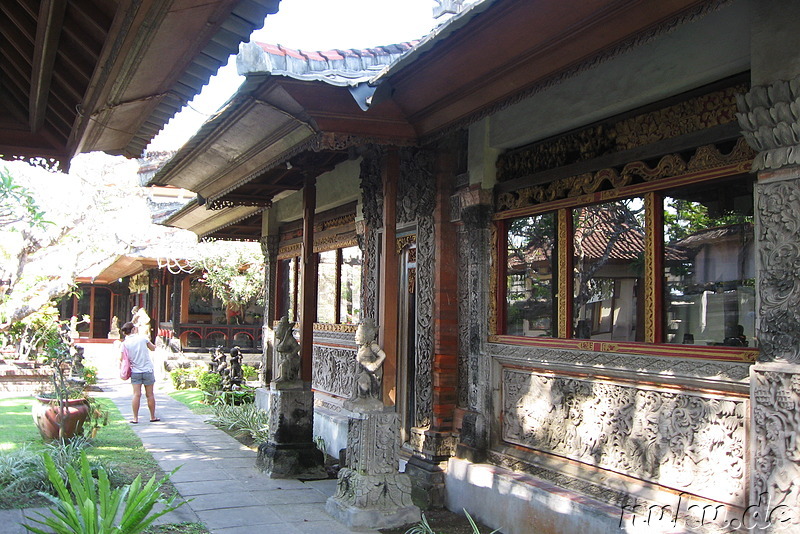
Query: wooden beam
{"points": [[48, 32], [308, 289]]}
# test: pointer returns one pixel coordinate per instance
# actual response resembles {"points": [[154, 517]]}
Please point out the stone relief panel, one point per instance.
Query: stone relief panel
{"points": [[775, 422], [685, 441], [778, 224], [334, 370]]}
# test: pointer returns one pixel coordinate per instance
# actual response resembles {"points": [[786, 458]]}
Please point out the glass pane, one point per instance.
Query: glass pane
{"points": [[350, 303], [709, 280], [326, 287], [530, 283], [609, 265]]}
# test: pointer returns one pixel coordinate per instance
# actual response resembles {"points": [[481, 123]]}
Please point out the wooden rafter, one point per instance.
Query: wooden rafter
{"points": [[48, 32]]}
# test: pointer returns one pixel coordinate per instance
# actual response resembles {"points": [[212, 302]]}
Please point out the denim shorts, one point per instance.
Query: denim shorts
{"points": [[147, 379]]}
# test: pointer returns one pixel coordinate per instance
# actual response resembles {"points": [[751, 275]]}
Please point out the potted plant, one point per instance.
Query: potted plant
{"points": [[61, 411]]}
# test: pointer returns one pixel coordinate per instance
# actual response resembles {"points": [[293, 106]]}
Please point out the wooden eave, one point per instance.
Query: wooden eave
{"points": [[510, 47], [271, 135], [204, 222], [107, 75]]}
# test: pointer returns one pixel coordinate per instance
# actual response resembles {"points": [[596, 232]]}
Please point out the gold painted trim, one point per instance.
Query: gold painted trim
{"points": [[333, 243], [289, 251], [404, 241], [706, 163], [343, 328], [564, 320], [650, 316]]}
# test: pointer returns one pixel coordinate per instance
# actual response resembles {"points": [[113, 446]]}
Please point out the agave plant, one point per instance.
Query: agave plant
{"points": [[90, 506], [423, 527]]}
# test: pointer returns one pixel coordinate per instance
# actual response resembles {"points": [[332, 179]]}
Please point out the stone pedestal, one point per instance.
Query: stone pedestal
{"points": [[371, 493], [428, 465], [290, 451]]}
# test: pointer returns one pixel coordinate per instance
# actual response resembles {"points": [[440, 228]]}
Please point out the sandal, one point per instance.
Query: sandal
{"points": [[134, 422], [155, 420]]}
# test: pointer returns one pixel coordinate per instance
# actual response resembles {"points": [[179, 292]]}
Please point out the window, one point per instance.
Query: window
{"points": [[673, 264], [709, 280], [530, 276], [608, 252], [339, 286]]}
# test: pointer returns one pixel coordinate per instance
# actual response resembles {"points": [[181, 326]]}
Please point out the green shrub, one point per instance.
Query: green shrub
{"points": [[249, 372], [90, 374], [178, 377], [90, 506], [209, 382]]}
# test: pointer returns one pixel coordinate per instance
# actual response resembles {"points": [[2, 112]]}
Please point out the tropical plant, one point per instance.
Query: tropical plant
{"points": [[209, 382], [249, 372], [90, 374], [423, 527], [246, 419], [90, 506]]}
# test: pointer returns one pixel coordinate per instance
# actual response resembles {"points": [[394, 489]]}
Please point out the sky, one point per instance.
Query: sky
{"points": [[308, 25]]}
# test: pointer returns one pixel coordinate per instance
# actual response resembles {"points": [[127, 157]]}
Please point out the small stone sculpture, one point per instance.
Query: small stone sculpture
{"points": [[235, 374], [114, 332], [370, 357], [287, 349], [73, 328], [213, 365]]}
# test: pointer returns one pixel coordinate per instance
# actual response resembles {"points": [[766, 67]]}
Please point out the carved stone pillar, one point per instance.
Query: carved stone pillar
{"points": [[290, 451], [771, 123], [471, 208], [371, 493]]}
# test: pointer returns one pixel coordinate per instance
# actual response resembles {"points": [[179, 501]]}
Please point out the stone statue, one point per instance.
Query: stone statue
{"points": [[73, 328], [142, 322], [235, 373], [213, 365], [287, 349], [223, 370], [114, 332], [77, 363], [370, 357]]}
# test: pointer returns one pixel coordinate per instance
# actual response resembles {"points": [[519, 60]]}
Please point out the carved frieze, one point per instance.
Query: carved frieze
{"points": [[334, 370], [778, 262], [770, 120], [661, 436], [693, 115]]}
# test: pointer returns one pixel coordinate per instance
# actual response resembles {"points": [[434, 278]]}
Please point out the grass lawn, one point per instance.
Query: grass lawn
{"points": [[193, 399], [115, 444]]}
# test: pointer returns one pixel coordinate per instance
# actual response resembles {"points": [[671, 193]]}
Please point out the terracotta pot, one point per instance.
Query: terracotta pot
{"points": [[46, 415]]}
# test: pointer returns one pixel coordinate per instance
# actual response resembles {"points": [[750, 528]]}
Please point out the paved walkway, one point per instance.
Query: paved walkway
{"points": [[229, 494]]}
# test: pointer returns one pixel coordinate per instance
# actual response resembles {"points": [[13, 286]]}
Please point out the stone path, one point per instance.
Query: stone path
{"points": [[229, 494]]}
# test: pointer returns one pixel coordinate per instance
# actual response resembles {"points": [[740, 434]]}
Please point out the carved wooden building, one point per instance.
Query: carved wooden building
{"points": [[575, 224]]}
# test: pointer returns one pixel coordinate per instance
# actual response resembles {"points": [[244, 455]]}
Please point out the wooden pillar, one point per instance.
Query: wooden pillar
{"points": [[388, 297], [308, 299]]}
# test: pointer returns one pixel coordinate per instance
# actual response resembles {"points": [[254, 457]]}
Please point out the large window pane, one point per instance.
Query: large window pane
{"points": [[350, 282], [709, 265], [530, 283], [608, 276], [326, 287]]}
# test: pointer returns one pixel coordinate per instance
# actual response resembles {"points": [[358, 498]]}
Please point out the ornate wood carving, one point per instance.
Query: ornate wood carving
{"points": [[372, 208], [669, 166], [657, 435], [416, 195], [693, 115]]}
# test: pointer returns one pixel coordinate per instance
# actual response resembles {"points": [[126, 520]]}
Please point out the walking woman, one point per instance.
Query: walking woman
{"points": [[142, 372]]}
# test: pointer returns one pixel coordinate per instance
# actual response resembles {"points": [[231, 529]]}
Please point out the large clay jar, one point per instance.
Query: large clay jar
{"points": [[46, 415]]}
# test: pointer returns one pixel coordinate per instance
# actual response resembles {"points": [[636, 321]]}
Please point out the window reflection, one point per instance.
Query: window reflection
{"points": [[530, 286], [608, 256], [709, 265]]}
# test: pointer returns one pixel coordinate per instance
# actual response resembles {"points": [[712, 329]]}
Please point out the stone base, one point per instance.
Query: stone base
{"points": [[364, 502], [301, 461], [428, 482]]}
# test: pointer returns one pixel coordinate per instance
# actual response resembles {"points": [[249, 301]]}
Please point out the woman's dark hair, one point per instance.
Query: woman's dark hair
{"points": [[127, 328]]}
